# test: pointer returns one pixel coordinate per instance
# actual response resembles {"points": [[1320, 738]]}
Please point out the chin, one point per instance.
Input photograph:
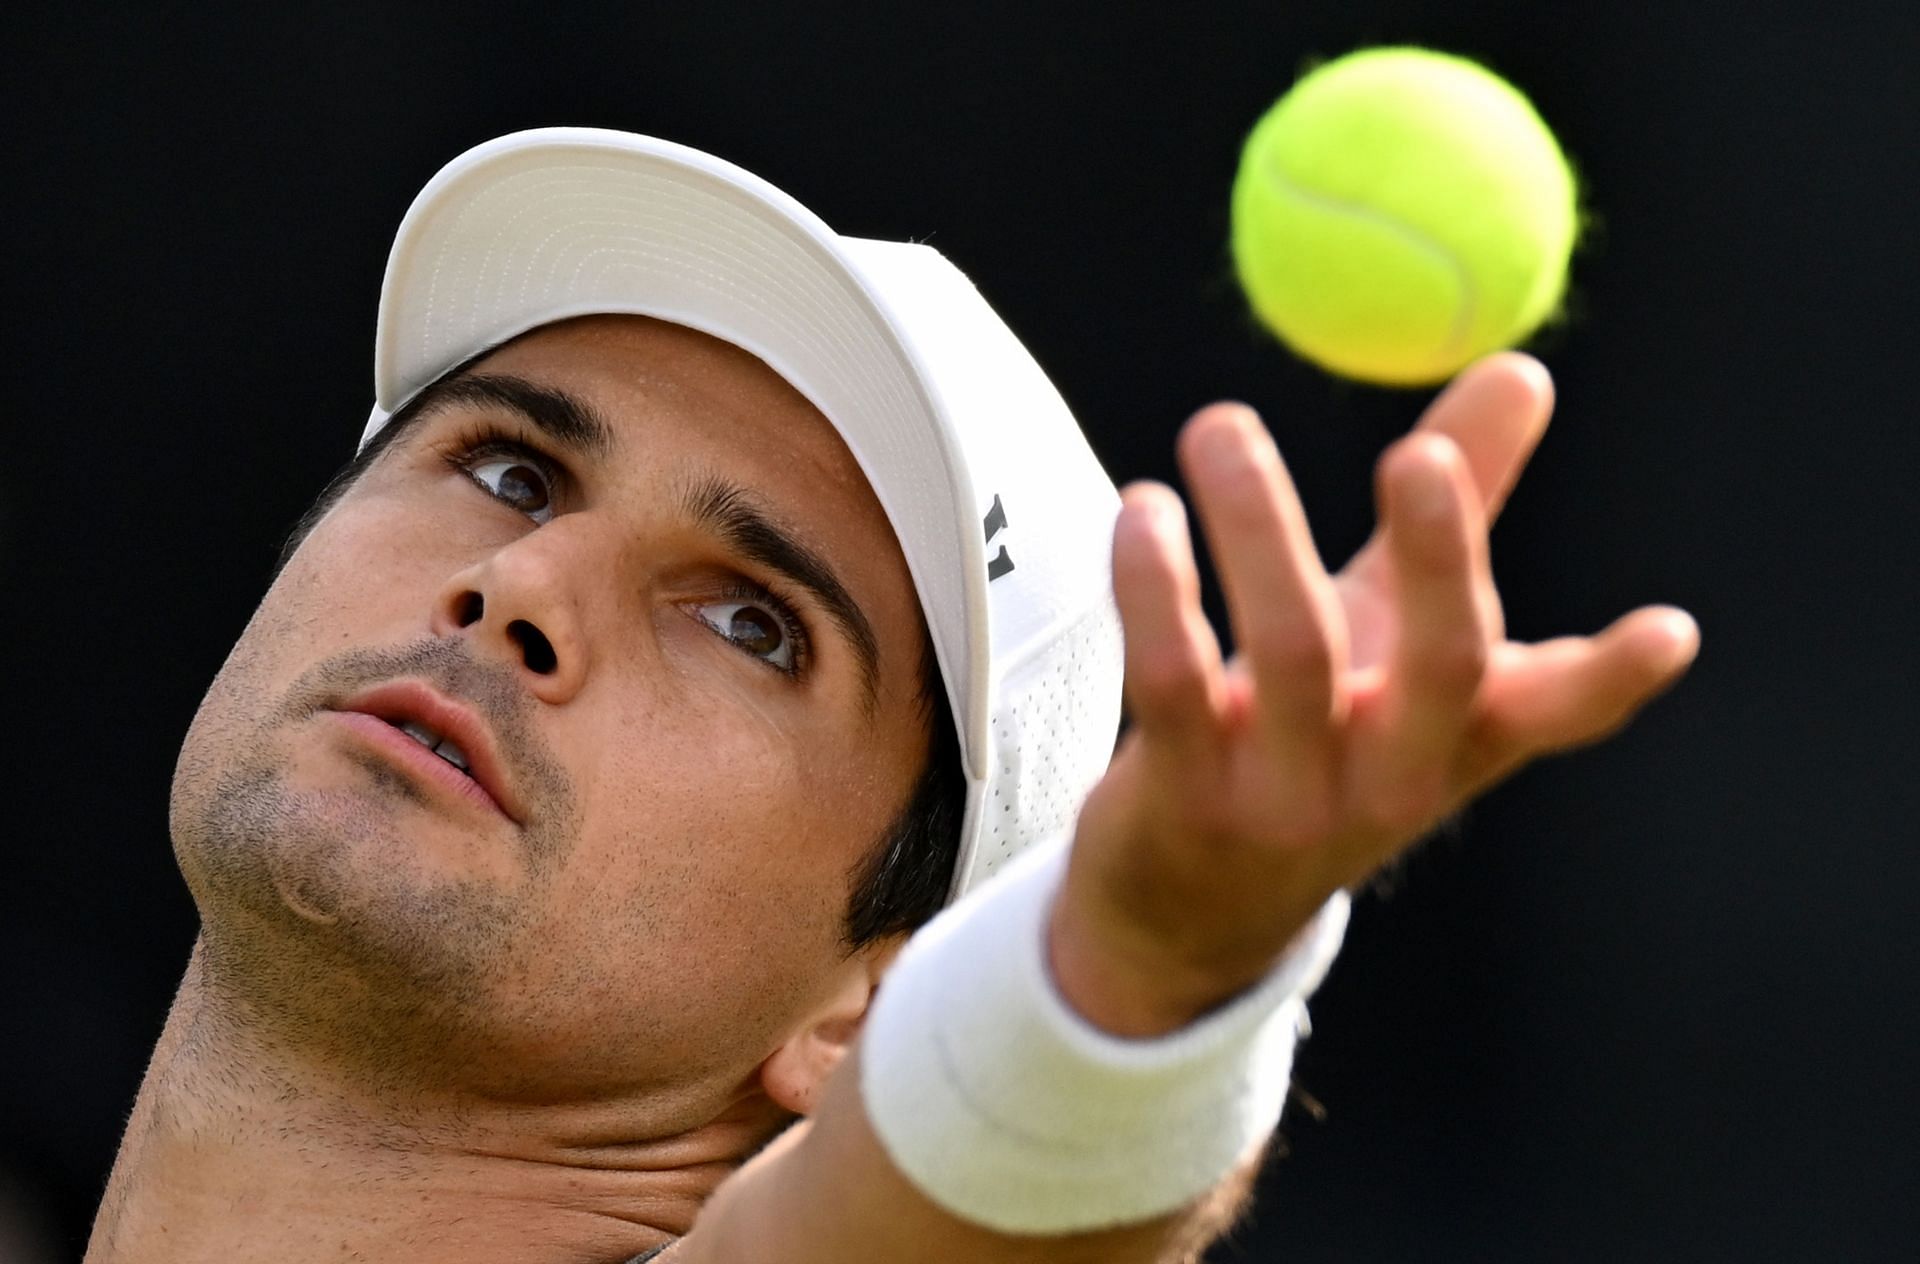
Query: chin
{"points": [[323, 941], [281, 871]]}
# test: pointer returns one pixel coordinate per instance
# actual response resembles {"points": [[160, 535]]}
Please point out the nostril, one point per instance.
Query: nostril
{"points": [[467, 612], [534, 646]]}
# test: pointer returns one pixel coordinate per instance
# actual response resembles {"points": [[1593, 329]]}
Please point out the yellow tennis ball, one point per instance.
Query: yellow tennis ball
{"points": [[1400, 212]]}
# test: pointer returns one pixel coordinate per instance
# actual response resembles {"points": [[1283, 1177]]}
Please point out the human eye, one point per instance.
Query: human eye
{"points": [[513, 474], [759, 624]]}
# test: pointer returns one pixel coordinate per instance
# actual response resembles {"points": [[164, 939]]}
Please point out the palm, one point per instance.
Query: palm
{"points": [[1359, 708]]}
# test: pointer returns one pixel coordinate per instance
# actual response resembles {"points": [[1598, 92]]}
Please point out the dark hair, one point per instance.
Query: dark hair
{"points": [[903, 880]]}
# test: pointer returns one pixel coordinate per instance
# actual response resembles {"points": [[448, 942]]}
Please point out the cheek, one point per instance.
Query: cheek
{"points": [[381, 553], [750, 786], [701, 788], [371, 567], [704, 907], [366, 575], [721, 841], [729, 767]]}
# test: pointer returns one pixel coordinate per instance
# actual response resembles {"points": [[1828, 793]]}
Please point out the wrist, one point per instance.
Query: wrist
{"points": [[1111, 981], [1128, 981], [1009, 1109]]}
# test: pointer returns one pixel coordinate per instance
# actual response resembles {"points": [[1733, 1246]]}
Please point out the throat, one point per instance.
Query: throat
{"points": [[239, 1152]]}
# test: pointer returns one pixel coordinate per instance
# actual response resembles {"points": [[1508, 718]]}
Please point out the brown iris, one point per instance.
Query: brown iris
{"points": [[523, 487], [754, 629]]}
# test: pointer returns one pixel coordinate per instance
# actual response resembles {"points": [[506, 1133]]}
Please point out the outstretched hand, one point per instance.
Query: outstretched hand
{"points": [[1359, 709]]}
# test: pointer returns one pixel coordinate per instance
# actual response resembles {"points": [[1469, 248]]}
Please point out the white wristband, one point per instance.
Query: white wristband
{"points": [[1008, 1109]]}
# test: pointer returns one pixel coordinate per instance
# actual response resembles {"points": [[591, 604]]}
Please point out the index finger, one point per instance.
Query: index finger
{"points": [[1285, 613]]}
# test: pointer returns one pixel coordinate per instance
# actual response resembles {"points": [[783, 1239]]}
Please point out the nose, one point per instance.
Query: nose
{"points": [[520, 605]]}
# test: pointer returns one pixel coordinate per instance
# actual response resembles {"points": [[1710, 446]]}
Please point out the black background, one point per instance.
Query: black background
{"points": [[1652, 1002]]}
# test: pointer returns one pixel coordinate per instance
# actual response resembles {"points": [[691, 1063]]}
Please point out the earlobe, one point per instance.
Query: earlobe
{"points": [[794, 1074]]}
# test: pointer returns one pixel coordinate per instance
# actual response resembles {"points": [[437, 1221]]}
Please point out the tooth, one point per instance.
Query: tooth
{"points": [[452, 754], [420, 733]]}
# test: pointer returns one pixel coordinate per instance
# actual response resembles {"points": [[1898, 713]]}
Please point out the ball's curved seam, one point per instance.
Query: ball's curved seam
{"points": [[1454, 345]]}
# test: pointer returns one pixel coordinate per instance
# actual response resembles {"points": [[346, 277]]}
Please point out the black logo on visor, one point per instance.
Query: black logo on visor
{"points": [[995, 524]]}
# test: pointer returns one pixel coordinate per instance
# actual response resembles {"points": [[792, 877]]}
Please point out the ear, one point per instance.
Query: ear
{"points": [[793, 1075]]}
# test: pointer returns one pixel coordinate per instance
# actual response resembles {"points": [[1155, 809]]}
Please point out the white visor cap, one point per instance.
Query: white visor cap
{"points": [[1002, 511]]}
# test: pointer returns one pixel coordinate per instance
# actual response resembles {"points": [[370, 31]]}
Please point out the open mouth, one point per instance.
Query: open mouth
{"points": [[445, 747], [404, 714]]}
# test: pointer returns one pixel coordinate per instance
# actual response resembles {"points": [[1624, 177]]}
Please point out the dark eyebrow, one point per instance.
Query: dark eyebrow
{"points": [[566, 419], [729, 510]]}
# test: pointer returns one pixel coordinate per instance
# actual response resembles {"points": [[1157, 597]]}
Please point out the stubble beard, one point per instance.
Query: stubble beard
{"points": [[320, 928]]}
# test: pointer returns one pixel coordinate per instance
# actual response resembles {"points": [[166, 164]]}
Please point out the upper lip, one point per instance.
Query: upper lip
{"points": [[401, 701]]}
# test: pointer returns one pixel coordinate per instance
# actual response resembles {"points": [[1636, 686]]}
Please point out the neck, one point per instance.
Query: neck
{"points": [[239, 1150]]}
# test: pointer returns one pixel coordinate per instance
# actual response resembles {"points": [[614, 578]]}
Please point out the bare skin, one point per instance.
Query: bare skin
{"points": [[1362, 707]]}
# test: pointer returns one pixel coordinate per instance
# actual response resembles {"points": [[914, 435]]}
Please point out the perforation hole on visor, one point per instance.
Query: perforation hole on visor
{"points": [[1054, 731]]}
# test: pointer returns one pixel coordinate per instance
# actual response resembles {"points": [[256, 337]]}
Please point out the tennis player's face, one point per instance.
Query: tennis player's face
{"points": [[639, 598]]}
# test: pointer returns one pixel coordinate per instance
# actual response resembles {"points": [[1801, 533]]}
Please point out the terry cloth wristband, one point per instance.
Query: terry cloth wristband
{"points": [[1008, 1109]]}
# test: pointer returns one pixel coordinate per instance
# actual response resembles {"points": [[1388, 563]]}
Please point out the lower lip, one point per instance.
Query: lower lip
{"points": [[417, 759]]}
